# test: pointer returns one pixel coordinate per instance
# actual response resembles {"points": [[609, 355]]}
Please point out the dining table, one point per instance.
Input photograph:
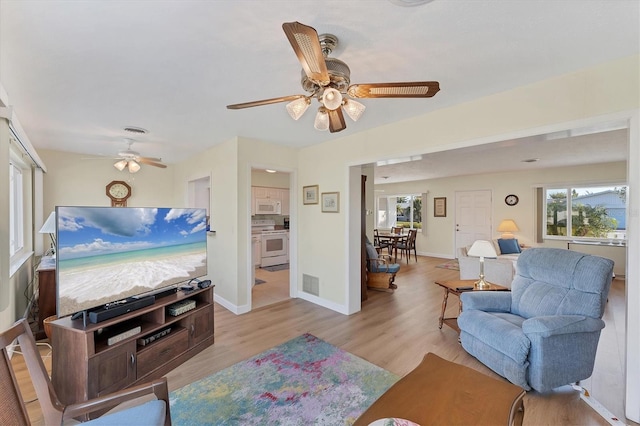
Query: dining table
{"points": [[393, 240]]}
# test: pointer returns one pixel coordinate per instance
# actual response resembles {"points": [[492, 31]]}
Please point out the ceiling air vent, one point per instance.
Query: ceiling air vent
{"points": [[136, 130]]}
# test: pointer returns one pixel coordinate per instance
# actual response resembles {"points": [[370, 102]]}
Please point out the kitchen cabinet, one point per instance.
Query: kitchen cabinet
{"points": [[284, 196]]}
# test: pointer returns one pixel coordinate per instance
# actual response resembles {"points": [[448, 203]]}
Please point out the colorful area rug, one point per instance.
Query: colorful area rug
{"points": [[275, 268], [452, 264], [305, 381]]}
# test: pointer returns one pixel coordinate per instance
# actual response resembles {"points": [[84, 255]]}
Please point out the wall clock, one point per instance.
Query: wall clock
{"points": [[118, 191], [511, 200]]}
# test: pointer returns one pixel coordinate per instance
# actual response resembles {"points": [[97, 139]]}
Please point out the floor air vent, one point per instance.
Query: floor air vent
{"points": [[311, 284]]}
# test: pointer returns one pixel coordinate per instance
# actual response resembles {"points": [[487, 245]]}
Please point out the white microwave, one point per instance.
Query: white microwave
{"points": [[268, 206]]}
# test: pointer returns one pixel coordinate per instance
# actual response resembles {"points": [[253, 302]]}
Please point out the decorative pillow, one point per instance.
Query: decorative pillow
{"points": [[508, 246]]}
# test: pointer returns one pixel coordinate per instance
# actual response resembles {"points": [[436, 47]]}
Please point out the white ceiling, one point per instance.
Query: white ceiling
{"points": [[78, 72]]}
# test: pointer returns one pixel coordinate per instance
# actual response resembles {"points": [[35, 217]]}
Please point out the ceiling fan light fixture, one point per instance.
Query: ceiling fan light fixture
{"points": [[331, 98], [354, 109], [298, 107], [322, 120], [133, 166], [120, 165]]}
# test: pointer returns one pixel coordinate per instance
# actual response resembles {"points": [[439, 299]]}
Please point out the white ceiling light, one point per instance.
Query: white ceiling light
{"points": [[120, 165], [331, 98], [133, 166], [322, 120], [269, 171], [298, 107], [354, 109]]}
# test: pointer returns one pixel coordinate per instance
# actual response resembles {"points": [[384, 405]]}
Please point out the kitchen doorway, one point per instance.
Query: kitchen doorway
{"points": [[270, 246]]}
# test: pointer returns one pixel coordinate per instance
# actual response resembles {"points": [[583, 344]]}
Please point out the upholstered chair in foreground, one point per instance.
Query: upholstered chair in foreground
{"points": [[544, 333], [13, 410]]}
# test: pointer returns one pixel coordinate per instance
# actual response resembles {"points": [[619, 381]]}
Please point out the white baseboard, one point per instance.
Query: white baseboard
{"points": [[238, 310], [441, 255], [324, 303]]}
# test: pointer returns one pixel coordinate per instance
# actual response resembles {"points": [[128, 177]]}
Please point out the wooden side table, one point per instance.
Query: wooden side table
{"points": [[456, 287], [46, 293]]}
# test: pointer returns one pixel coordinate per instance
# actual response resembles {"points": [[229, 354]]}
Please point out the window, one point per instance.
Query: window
{"points": [[399, 210], [581, 212], [16, 206]]}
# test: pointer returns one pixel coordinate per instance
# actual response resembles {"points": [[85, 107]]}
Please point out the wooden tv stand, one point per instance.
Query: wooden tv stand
{"points": [[84, 366]]}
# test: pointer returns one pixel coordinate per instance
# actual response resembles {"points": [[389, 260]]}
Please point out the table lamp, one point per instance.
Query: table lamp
{"points": [[482, 249], [507, 227], [49, 227]]}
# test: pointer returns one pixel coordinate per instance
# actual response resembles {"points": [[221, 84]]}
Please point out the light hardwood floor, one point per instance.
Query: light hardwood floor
{"points": [[274, 289], [394, 331]]}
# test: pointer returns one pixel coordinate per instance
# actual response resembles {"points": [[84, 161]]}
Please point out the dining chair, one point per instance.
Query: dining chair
{"points": [[409, 244], [153, 412], [379, 243], [397, 230]]}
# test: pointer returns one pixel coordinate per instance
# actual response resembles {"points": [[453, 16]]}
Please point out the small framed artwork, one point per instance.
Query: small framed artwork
{"points": [[330, 202], [310, 194], [440, 207]]}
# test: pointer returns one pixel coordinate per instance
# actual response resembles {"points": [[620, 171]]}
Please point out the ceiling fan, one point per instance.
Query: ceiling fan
{"points": [[329, 81], [132, 160]]}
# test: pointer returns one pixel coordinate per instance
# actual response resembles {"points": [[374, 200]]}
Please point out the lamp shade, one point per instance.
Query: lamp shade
{"points": [[298, 107], [133, 166], [322, 120], [49, 226], [482, 248], [354, 109], [331, 98], [507, 227], [120, 165]]}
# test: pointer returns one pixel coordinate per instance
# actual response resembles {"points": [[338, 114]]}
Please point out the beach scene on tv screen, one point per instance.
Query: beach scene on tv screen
{"points": [[108, 254]]}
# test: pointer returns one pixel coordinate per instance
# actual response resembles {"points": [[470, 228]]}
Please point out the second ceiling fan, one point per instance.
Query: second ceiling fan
{"points": [[329, 81]]}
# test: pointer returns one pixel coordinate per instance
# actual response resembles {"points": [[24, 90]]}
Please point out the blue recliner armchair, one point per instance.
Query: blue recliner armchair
{"points": [[544, 333]]}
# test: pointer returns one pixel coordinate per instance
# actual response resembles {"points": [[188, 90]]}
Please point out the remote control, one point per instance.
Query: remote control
{"points": [[464, 288]]}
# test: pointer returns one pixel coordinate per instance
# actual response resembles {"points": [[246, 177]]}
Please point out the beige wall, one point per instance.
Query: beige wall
{"points": [[270, 180], [80, 180], [229, 165]]}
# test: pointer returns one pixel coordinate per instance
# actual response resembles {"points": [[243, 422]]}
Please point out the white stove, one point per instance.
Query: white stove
{"points": [[262, 225], [274, 243]]}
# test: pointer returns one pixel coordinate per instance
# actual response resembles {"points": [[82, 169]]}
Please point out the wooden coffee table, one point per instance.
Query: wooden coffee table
{"points": [[440, 392], [455, 287]]}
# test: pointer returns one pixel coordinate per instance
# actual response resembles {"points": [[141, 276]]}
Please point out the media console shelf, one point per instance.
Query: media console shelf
{"points": [[85, 365]]}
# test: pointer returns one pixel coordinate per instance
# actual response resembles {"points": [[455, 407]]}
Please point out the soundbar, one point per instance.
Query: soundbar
{"points": [[115, 309]]}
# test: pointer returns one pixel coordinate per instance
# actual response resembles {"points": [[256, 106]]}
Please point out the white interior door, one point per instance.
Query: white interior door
{"points": [[473, 217]]}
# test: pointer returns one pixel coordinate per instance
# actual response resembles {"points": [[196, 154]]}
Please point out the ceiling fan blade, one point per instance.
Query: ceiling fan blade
{"points": [[336, 120], [306, 45], [142, 159], [412, 89], [151, 163], [265, 102]]}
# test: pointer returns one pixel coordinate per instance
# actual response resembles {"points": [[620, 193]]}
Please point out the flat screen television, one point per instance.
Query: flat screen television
{"points": [[109, 254]]}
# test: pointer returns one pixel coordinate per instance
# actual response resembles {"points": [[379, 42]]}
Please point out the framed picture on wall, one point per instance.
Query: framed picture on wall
{"points": [[440, 207], [310, 194], [330, 202]]}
